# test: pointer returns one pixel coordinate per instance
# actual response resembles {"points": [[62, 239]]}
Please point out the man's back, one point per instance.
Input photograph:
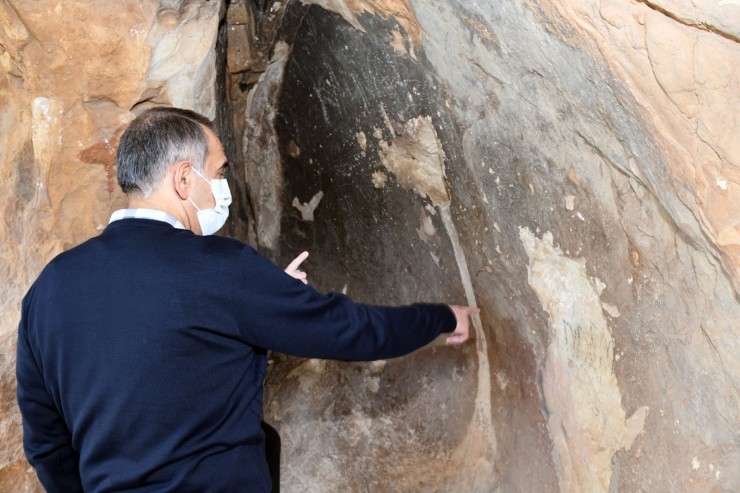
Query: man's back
{"points": [[145, 344], [140, 354]]}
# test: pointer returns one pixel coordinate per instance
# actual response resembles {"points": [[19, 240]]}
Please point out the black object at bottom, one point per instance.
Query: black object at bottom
{"points": [[272, 451]]}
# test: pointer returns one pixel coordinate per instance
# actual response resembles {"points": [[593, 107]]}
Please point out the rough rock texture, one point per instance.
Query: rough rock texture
{"points": [[570, 167], [588, 164], [679, 60], [73, 75]]}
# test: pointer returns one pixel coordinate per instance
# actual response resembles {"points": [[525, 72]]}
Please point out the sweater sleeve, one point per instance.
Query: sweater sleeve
{"points": [[46, 439], [278, 312]]}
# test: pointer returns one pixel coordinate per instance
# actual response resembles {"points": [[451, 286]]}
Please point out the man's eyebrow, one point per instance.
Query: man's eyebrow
{"points": [[224, 166]]}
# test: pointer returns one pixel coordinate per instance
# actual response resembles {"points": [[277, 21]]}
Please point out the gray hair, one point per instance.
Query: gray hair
{"points": [[154, 141]]}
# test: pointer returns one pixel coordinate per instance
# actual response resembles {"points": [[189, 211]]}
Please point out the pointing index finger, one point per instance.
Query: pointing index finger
{"points": [[298, 261]]}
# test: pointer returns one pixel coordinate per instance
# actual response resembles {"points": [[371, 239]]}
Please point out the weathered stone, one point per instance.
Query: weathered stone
{"points": [[681, 74], [571, 168], [721, 17], [524, 129], [399, 10], [72, 72], [584, 403]]}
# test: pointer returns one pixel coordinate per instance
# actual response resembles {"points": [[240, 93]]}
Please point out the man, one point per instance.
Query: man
{"points": [[142, 352]]}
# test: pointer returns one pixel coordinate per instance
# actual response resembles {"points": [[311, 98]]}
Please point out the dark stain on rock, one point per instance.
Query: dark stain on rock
{"points": [[24, 191], [340, 82], [25, 187], [527, 464]]}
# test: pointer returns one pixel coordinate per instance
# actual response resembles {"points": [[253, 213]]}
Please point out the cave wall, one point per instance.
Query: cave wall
{"points": [[571, 168], [592, 198], [73, 75]]}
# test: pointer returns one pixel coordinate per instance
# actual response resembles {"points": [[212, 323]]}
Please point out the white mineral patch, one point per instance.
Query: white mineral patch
{"points": [[362, 140], [42, 127], [586, 419], [416, 158], [308, 208], [360, 424], [372, 383], [634, 426], [397, 42], [379, 179], [308, 373], [502, 379], [483, 394], [722, 183], [598, 283], [611, 309], [570, 202], [426, 231]]}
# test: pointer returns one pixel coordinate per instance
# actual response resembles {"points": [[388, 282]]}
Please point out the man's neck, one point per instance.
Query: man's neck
{"points": [[156, 203]]}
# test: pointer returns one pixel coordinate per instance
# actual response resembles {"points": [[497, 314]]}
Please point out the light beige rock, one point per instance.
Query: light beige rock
{"points": [[71, 72], [660, 329], [183, 56], [684, 75], [586, 420], [720, 16], [399, 10], [416, 159]]}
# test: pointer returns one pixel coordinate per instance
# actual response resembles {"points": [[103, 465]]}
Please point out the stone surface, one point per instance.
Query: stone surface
{"points": [[678, 62], [570, 167], [73, 75], [542, 129], [584, 403]]}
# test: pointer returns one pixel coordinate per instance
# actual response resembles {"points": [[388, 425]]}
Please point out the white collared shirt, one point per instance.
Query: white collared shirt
{"points": [[141, 213]]}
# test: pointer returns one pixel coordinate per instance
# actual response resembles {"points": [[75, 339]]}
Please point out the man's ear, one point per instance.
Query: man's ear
{"points": [[183, 177]]}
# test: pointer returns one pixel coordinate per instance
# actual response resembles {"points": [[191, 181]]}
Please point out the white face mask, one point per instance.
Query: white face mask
{"points": [[211, 220]]}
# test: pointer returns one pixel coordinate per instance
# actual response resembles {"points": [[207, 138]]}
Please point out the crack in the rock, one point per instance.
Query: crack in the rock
{"points": [[622, 169], [694, 25]]}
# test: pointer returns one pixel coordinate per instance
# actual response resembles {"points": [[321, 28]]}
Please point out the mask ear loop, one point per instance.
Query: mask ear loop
{"points": [[206, 179], [199, 174], [196, 207]]}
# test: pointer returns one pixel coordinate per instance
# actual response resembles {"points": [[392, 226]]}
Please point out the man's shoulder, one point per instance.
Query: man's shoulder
{"points": [[128, 244], [57, 268], [71, 254], [147, 231], [215, 246]]}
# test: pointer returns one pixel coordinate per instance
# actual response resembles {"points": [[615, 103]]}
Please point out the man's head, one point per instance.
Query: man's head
{"points": [[170, 159], [154, 141]]}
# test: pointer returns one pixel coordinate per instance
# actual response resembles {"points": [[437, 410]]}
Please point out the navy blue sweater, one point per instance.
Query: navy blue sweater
{"points": [[142, 353]]}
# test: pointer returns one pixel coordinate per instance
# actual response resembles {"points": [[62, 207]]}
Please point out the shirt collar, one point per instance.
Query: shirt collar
{"points": [[141, 213]]}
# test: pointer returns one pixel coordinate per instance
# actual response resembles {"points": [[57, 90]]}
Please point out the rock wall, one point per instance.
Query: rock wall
{"points": [[73, 75], [571, 168], [587, 205]]}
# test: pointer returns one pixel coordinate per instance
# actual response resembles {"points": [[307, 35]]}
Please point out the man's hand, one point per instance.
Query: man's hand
{"points": [[292, 269], [462, 314]]}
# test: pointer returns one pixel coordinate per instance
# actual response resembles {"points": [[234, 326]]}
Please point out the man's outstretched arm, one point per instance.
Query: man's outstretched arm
{"points": [[462, 313], [278, 313]]}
